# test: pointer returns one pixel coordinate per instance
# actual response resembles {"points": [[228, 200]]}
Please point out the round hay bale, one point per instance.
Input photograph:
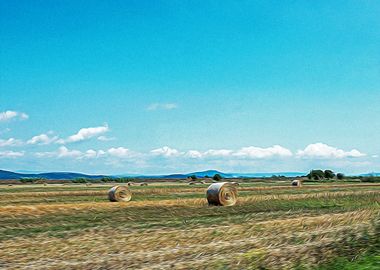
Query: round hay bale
{"points": [[119, 194], [222, 194], [143, 184], [296, 183]]}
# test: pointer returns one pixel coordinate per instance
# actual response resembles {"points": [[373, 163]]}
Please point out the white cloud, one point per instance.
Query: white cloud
{"points": [[93, 153], [258, 152], [11, 115], [119, 152], [10, 142], [165, 152], [64, 152], [324, 151], [105, 138], [218, 153], [42, 139], [45, 154], [245, 152], [11, 154], [193, 154], [162, 106], [85, 134]]}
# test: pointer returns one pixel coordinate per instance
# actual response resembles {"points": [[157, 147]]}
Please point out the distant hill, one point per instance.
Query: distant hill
{"points": [[270, 174], [371, 174], [7, 175], [201, 174]]}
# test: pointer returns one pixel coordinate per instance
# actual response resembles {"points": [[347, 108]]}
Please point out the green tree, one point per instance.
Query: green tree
{"points": [[340, 176], [316, 175], [329, 174], [193, 177], [217, 177]]}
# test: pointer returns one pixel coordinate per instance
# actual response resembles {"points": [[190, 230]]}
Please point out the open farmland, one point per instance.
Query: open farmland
{"points": [[171, 226]]}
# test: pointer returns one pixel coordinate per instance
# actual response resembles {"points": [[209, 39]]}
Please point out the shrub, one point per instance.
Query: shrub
{"points": [[28, 180], [36, 180], [371, 179], [79, 180], [329, 174], [217, 177], [340, 176]]}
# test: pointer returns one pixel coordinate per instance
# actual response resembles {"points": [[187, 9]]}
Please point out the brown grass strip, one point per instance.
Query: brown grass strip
{"points": [[43, 209]]}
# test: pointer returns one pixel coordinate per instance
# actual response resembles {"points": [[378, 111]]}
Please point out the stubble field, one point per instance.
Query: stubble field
{"points": [[171, 226]]}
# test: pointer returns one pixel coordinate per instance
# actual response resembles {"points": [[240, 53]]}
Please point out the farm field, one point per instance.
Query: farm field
{"points": [[171, 226]]}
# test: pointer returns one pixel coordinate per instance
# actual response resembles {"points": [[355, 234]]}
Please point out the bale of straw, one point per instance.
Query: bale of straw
{"points": [[222, 194], [296, 183], [119, 194], [143, 184]]}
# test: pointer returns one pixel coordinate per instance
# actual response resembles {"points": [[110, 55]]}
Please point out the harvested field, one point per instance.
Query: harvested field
{"points": [[172, 227]]}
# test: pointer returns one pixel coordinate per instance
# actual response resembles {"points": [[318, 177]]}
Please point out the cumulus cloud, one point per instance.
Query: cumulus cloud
{"points": [[119, 152], [10, 142], [193, 154], [11, 154], [93, 154], [324, 151], [258, 152], [65, 152], [42, 139], [85, 134], [12, 115], [217, 153], [162, 106], [165, 152]]}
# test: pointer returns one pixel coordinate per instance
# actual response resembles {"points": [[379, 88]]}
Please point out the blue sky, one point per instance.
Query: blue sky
{"points": [[176, 86]]}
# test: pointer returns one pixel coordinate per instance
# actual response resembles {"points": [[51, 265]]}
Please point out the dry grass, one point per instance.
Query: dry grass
{"points": [[42, 209], [276, 231]]}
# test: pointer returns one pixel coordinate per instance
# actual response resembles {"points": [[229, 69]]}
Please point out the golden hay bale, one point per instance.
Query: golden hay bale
{"points": [[296, 183], [224, 194], [119, 194]]}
